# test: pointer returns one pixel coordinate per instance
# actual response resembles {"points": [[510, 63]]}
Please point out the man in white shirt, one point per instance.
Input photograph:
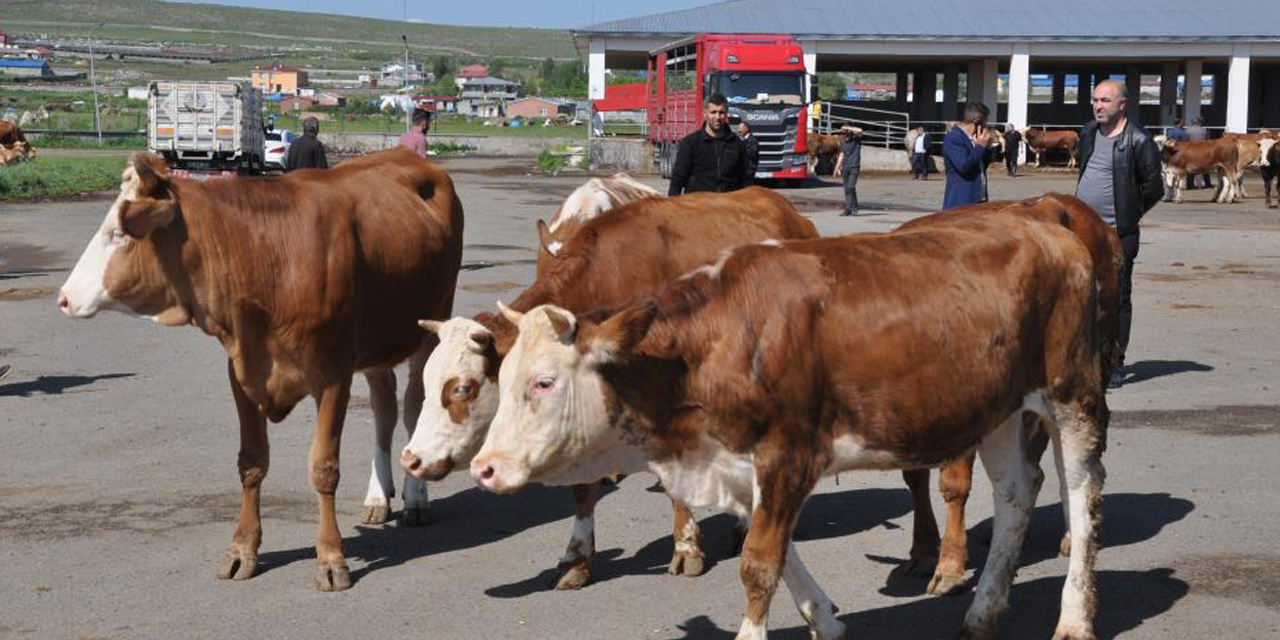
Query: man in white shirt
{"points": [[919, 157]]}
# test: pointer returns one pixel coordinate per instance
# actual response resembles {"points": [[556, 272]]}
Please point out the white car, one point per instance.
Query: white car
{"points": [[277, 148]]}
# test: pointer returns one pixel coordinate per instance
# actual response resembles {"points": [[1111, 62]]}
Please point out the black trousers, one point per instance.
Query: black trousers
{"points": [[850, 191], [1129, 243], [1011, 161]]}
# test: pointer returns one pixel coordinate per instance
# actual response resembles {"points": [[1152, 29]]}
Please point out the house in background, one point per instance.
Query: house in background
{"points": [[487, 97], [392, 73], [279, 78], [438, 104], [470, 72], [536, 107], [24, 68]]}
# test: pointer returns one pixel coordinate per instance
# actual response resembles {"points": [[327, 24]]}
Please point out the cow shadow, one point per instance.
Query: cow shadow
{"points": [[463, 520], [825, 515], [1148, 369], [1126, 599], [1127, 518], [54, 385]]}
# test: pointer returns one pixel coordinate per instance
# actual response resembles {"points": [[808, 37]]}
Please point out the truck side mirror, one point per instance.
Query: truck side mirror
{"points": [[813, 88]]}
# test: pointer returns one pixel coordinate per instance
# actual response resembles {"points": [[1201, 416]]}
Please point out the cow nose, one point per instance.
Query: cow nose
{"points": [[409, 460], [483, 473], [64, 304]]}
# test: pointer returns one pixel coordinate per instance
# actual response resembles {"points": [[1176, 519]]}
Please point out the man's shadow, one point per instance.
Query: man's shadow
{"points": [[54, 385]]}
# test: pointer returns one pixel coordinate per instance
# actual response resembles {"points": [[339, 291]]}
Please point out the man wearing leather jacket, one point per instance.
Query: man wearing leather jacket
{"points": [[711, 158], [1120, 178]]}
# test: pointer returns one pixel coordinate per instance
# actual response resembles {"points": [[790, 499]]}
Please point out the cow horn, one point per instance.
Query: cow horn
{"points": [[511, 315], [433, 326]]}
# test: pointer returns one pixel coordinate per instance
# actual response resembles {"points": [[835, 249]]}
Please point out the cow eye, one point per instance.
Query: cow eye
{"points": [[118, 236], [462, 391], [543, 384]]}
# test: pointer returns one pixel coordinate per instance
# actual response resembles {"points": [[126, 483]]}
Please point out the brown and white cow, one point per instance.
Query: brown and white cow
{"points": [[823, 146], [304, 279], [1181, 158], [593, 198], [1270, 170], [1041, 141], [10, 133], [19, 152], [635, 250], [956, 478], [747, 381]]}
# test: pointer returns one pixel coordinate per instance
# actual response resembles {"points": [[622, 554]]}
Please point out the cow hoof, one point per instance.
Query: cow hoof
{"points": [[1064, 547], [1074, 635], [332, 575], [968, 633], [920, 567], [416, 517], [572, 578], [946, 584], [375, 514], [687, 563], [239, 564]]}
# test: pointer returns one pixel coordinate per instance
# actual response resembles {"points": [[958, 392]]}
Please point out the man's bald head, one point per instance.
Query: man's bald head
{"points": [[1110, 98]]}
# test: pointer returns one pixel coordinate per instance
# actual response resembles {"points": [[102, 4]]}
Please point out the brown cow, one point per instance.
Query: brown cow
{"points": [[593, 198], [304, 279], [19, 152], [955, 479], [1040, 141], [743, 384], [1182, 157], [10, 134], [823, 146], [635, 250]]}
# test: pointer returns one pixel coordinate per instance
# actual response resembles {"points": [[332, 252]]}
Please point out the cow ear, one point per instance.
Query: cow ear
{"points": [[563, 323], [431, 325], [618, 336], [153, 176], [548, 243], [138, 218]]}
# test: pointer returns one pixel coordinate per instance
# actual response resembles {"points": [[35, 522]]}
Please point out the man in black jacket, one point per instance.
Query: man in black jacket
{"points": [[1120, 178], [711, 158], [752, 146], [307, 152]]}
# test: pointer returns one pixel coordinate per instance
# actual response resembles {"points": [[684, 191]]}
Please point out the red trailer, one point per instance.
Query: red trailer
{"points": [[762, 76]]}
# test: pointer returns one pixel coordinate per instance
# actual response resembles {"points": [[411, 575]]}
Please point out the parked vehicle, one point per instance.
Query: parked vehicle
{"points": [[206, 127], [762, 76], [276, 148]]}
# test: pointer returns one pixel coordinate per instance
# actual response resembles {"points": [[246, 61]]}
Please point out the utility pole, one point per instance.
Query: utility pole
{"points": [[408, 112], [93, 78]]}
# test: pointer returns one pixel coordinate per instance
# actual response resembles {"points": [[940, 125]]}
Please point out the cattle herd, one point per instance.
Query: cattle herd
{"points": [[714, 340]]}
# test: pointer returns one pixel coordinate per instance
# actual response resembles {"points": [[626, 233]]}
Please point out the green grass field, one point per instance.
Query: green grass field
{"points": [[59, 176], [183, 23]]}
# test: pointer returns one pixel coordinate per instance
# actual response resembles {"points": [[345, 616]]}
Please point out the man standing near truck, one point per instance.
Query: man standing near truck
{"points": [[307, 152], [711, 158]]}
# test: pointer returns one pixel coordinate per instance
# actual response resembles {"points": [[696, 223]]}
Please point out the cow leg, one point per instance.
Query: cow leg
{"points": [[417, 509], [382, 396], [252, 463], [687, 559], [331, 566], [574, 570], [1178, 186], [954, 482], [814, 605], [923, 557], [1080, 437], [1013, 481], [782, 482]]}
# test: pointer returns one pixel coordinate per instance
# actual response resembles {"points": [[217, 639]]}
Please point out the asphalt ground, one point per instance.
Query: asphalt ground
{"points": [[118, 487]]}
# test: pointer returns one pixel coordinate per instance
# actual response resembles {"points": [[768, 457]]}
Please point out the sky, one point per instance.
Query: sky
{"points": [[556, 14]]}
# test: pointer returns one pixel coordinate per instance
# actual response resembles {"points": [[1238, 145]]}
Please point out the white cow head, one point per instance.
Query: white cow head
{"points": [[124, 266], [462, 374], [553, 409], [1266, 144]]}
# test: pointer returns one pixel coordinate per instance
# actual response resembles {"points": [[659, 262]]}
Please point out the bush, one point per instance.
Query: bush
{"points": [[60, 142], [449, 147], [60, 176], [551, 163]]}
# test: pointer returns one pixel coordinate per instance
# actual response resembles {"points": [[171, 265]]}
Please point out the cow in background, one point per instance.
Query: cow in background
{"points": [[593, 198], [1181, 158], [1041, 141]]}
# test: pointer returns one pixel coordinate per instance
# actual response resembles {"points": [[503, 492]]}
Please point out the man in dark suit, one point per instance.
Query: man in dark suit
{"points": [[307, 152], [964, 153]]}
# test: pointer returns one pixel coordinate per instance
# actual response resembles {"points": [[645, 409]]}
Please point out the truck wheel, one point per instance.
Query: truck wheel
{"points": [[664, 164]]}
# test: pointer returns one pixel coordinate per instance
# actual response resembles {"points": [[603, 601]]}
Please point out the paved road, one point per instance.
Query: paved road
{"points": [[118, 488]]}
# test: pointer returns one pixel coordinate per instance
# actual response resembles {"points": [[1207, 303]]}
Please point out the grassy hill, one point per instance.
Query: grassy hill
{"points": [[149, 21]]}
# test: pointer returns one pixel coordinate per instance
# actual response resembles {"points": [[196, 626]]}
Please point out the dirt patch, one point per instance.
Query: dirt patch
{"points": [[496, 247], [1166, 277], [21, 260], [1243, 577], [499, 171], [1228, 420], [62, 521], [490, 287], [1189, 306], [27, 293], [477, 266]]}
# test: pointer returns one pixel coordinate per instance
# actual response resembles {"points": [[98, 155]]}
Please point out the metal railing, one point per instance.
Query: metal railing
{"points": [[880, 127]]}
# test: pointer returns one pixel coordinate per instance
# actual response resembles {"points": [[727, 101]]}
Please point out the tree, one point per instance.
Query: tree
{"points": [[831, 86], [496, 67], [443, 67], [547, 70]]}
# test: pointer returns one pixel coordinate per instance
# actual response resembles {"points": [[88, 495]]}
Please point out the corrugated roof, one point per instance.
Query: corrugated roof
{"points": [[1156, 20]]}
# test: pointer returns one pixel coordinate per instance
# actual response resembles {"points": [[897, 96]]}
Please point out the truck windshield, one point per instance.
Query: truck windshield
{"points": [[761, 88]]}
